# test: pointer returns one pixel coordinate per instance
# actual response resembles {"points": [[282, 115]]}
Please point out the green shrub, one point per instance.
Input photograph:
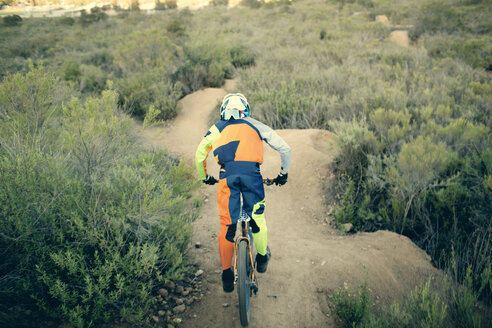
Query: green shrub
{"points": [[354, 142], [93, 79], [450, 17], [351, 307], [463, 300], [71, 70], [473, 50], [26, 104], [220, 2], [426, 308], [207, 64], [141, 91], [12, 20], [12, 65], [91, 225], [252, 3], [101, 58], [436, 16], [67, 21], [242, 57], [430, 305], [34, 48], [144, 52], [96, 14], [175, 25]]}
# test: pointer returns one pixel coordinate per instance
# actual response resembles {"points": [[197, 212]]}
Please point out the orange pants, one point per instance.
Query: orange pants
{"points": [[231, 189]]}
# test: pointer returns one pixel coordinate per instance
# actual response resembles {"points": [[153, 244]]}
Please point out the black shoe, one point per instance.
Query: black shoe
{"points": [[228, 280], [262, 261]]}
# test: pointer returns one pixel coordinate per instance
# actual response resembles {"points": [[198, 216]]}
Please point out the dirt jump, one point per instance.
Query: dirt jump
{"points": [[310, 258]]}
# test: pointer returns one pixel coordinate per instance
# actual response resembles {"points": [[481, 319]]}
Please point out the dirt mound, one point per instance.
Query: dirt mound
{"points": [[400, 38], [310, 258], [399, 35]]}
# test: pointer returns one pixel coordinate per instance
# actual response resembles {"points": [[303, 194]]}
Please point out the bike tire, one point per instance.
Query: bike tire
{"points": [[243, 282]]}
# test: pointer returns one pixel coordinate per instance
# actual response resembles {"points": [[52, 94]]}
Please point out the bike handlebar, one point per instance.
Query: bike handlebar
{"points": [[267, 181]]}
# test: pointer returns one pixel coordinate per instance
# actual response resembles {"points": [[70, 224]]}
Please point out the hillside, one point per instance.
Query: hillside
{"points": [[387, 105]]}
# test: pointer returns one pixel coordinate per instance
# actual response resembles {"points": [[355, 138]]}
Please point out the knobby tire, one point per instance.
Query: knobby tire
{"points": [[243, 285]]}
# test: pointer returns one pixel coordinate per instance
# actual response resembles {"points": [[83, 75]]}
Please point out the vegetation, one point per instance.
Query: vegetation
{"points": [[90, 224], [6, 3], [352, 307], [11, 20], [436, 303], [413, 128], [153, 61]]}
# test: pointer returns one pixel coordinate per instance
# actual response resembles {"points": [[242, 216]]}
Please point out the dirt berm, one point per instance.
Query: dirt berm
{"points": [[310, 258]]}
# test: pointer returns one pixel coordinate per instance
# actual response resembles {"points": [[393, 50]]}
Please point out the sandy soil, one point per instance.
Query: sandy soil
{"points": [[310, 258]]}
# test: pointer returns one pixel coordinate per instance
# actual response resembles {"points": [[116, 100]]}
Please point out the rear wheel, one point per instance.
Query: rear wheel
{"points": [[243, 282]]}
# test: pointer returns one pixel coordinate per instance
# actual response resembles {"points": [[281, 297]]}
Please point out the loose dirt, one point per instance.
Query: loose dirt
{"points": [[310, 259], [400, 38]]}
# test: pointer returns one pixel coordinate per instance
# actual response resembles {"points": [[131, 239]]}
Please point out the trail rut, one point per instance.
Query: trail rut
{"points": [[310, 258]]}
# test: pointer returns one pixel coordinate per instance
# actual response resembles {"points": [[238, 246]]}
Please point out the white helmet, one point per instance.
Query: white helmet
{"points": [[234, 106]]}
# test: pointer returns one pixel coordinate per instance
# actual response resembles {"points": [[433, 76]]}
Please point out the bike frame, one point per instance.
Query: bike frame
{"points": [[244, 236]]}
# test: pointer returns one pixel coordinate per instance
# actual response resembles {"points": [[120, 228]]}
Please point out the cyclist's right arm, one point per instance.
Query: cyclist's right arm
{"points": [[202, 151]]}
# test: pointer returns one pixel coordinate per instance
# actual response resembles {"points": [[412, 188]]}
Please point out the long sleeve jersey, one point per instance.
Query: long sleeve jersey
{"points": [[239, 141]]}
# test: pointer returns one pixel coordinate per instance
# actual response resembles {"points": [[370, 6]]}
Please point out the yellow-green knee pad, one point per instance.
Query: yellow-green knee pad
{"points": [[260, 238]]}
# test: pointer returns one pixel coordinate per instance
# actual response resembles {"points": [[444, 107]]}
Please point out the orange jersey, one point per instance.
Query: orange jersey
{"points": [[239, 141]]}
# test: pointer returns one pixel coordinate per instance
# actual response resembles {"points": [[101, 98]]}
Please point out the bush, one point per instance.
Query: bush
{"points": [[207, 64], [354, 142], [93, 79], [451, 17], [97, 14], [426, 308], [144, 52], [91, 225], [252, 3], [352, 308], [436, 16], [71, 70], [67, 21], [242, 57], [473, 50], [141, 91], [220, 2], [463, 301], [175, 26], [12, 20], [430, 305], [100, 58]]}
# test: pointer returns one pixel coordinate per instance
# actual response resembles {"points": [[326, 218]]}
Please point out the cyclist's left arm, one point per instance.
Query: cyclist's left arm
{"points": [[275, 141]]}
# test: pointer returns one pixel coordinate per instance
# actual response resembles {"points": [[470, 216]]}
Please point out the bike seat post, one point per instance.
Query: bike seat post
{"points": [[244, 218]]}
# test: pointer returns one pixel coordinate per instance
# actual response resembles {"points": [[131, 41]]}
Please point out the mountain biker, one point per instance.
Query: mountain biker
{"points": [[237, 144]]}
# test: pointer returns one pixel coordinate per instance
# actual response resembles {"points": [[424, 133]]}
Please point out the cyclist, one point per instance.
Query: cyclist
{"points": [[237, 144]]}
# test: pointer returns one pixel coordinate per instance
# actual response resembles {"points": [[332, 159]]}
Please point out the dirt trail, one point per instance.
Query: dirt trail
{"points": [[310, 259]]}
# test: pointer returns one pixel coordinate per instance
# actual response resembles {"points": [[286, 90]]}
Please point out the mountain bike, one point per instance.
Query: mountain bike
{"points": [[244, 266]]}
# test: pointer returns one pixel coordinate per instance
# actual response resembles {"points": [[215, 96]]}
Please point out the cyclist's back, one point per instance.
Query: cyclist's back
{"points": [[237, 144]]}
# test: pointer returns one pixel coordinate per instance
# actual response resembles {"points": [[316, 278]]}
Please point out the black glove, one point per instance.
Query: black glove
{"points": [[281, 179], [210, 180]]}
